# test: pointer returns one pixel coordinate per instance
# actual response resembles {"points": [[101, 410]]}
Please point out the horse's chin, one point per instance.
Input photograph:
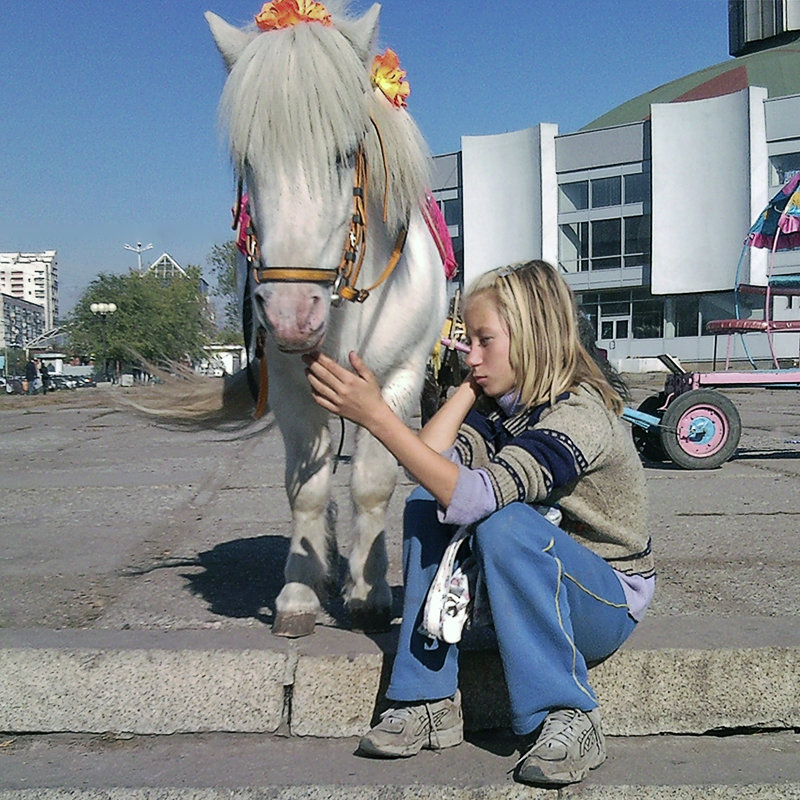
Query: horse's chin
{"points": [[295, 348]]}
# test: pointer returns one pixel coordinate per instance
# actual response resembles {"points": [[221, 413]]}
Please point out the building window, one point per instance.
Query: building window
{"points": [[637, 187], [609, 313], [452, 211], [602, 238], [719, 305], [687, 314], [622, 315], [606, 192], [648, 317], [573, 247], [573, 197], [783, 168], [599, 245], [606, 244], [637, 240]]}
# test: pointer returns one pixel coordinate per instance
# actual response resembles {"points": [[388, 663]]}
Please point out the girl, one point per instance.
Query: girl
{"points": [[535, 422]]}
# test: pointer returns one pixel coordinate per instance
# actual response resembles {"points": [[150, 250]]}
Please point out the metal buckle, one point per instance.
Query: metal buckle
{"points": [[336, 297]]}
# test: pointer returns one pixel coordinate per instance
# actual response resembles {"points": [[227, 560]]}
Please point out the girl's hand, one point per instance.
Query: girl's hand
{"points": [[476, 389], [354, 394]]}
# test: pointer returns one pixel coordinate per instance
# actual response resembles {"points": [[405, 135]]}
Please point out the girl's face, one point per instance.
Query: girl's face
{"points": [[489, 343]]}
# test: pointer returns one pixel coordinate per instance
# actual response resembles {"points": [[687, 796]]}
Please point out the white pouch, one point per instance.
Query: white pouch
{"points": [[453, 590], [449, 600]]}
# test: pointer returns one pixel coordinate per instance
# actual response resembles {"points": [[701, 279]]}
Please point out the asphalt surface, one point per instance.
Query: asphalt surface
{"points": [[230, 761], [111, 521]]}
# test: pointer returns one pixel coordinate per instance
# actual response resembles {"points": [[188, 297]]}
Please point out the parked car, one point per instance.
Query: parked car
{"points": [[58, 381]]}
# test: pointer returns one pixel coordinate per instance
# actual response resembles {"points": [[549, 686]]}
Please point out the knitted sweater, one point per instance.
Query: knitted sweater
{"points": [[575, 454]]}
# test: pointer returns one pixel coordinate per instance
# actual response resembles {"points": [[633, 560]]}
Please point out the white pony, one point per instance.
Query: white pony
{"points": [[310, 135]]}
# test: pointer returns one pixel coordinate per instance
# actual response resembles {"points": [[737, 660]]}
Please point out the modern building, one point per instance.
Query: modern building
{"points": [[646, 209], [32, 277], [20, 322], [222, 359], [166, 268]]}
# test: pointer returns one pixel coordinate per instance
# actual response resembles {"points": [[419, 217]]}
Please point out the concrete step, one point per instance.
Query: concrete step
{"points": [[245, 767], [679, 675]]}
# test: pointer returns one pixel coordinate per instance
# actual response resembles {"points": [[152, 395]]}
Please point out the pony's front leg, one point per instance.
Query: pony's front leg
{"points": [[308, 476], [368, 595]]}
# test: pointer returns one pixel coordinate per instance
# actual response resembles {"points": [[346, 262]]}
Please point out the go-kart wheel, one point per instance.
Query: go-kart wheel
{"points": [[648, 442], [700, 429]]}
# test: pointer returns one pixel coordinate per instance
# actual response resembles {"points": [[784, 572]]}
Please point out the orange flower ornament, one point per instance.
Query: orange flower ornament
{"points": [[281, 14], [390, 79]]}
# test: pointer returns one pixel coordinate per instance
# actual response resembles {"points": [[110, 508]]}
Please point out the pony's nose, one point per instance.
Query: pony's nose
{"points": [[311, 310], [295, 314]]}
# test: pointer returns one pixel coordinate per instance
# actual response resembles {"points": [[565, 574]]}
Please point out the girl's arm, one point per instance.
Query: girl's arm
{"points": [[356, 396], [440, 431]]}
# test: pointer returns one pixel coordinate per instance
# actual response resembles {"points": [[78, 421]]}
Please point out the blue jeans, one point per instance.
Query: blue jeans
{"points": [[554, 603]]}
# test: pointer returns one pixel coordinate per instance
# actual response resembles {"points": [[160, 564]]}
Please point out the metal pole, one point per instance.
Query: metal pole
{"points": [[138, 250], [103, 310]]}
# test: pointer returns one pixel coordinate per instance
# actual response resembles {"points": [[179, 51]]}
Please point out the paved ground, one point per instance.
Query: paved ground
{"points": [[110, 521], [231, 761], [111, 524]]}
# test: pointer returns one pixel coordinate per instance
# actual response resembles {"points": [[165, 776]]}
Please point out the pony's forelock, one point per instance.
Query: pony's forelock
{"points": [[295, 96], [302, 96]]}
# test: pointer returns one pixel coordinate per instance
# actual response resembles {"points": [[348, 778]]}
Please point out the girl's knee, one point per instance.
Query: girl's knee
{"points": [[511, 528]]}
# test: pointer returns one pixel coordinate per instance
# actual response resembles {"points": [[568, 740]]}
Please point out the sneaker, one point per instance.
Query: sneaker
{"points": [[570, 744], [404, 731]]}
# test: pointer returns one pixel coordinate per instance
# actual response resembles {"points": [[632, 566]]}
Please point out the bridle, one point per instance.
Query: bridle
{"points": [[343, 278]]}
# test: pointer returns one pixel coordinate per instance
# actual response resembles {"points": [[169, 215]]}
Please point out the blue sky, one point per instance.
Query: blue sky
{"points": [[108, 109]]}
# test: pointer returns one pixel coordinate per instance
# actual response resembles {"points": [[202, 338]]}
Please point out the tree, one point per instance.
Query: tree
{"points": [[222, 260], [15, 360], [156, 320]]}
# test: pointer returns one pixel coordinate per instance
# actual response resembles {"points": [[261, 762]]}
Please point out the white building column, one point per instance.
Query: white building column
{"points": [[510, 198]]}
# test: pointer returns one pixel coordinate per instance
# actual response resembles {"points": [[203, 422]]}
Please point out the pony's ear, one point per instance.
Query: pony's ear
{"points": [[363, 32], [231, 41]]}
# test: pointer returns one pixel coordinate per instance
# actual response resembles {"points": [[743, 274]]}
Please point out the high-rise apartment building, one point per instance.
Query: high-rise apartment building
{"points": [[32, 277]]}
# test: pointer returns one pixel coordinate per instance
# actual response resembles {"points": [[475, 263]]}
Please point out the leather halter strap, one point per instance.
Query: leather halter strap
{"points": [[294, 274], [344, 277]]}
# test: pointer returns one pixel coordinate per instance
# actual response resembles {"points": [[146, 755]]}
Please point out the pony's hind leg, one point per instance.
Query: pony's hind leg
{"points": [[367, 594]]}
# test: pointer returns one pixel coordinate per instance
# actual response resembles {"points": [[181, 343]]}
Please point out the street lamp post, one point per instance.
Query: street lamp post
{"points": [[138, 250], [102, 310]]}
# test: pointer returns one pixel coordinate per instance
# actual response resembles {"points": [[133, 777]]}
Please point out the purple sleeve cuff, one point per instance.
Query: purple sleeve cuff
{"points": [[473, 498]]}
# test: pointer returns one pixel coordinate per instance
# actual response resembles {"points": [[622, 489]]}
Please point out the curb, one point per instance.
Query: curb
{"points": [[331, 684]]}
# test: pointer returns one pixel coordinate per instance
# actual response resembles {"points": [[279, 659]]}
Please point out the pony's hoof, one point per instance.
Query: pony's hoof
{"points": [[293, 625], [371, 620]]}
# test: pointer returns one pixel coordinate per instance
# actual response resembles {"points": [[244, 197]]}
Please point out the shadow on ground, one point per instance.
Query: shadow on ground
{"points": [[242, 578]]}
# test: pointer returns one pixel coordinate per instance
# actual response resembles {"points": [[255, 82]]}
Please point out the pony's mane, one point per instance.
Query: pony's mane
{"points": [[303, 96]]}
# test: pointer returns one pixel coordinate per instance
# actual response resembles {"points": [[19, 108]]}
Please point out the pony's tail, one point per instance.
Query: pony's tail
{"points": [[179, 396]]}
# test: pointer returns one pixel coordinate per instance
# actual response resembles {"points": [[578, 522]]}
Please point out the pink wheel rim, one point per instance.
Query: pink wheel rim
{"points": [[702, 431]]}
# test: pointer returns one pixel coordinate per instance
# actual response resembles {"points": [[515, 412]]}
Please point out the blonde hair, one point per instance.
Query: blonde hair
{"points": [[546, 353]]}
